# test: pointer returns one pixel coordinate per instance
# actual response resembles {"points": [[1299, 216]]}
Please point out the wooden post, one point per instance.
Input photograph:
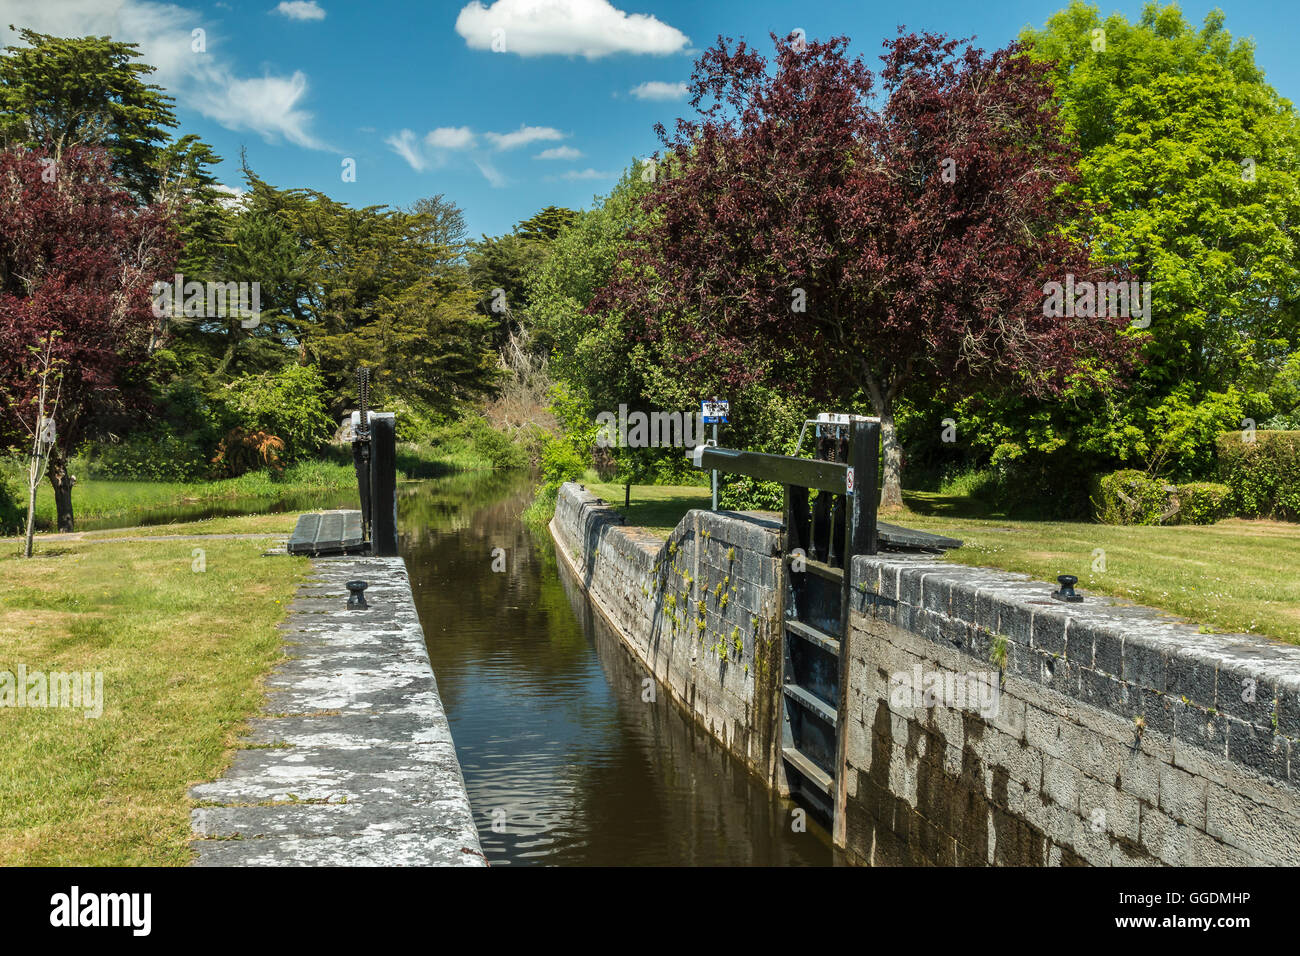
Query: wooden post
{"points": [[383, 485], [864, 455], [859, 538]]}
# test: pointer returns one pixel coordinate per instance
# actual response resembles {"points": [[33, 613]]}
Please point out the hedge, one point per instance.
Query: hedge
{"points": [[1131, 497], [1263, 470], [13, 506]]}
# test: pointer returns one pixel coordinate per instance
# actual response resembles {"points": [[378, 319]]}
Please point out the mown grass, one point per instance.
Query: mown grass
{"points": [[1234, 576], [280, 523], [657, 508], [94, 499], [182, 652], [98, 498]]}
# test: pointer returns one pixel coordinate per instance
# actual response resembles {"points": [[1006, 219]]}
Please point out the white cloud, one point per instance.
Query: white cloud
{"points": [[405, 145], [588, 174], [450, 137], [232, 197], [271, 106], [523, 136], [589, 28], [559, 152], [658, 90], [266, 105], [430, 150], [300, 10], [490, 173]]}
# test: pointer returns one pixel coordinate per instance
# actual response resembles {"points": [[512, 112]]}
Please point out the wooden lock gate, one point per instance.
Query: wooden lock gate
{"points": [[830, 515]]}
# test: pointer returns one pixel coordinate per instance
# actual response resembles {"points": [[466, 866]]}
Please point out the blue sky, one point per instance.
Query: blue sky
{"points": [[416, 95]]}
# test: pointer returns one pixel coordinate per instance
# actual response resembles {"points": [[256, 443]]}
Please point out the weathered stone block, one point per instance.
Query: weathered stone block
{"points": [[1182, 796], [1258, 829], [1162, 836], [1258, 748], [1108, 651], [1144, 664], [1049, 634], [1110, 808]]}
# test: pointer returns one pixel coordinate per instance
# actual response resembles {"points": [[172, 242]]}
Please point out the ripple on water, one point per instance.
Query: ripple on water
{"points": [[564, 762]]}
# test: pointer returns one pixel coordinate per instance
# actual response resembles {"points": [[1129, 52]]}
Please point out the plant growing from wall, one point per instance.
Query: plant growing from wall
{"points": [[998, 652]]}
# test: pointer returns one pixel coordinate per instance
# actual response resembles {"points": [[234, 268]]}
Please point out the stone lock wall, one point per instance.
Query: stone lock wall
{"points": [[698, 610], [1119, 737], [985, 723]]}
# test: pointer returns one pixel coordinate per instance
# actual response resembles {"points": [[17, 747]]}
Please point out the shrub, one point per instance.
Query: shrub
{"points": [[498, 447], [289, 404], [241, 452], [743, 493], [1203, 502], [155, 455], [1131, 497], [1264, 474], [472, 442], [1034, 483], [561, 462], [978, 483], [414, 424], [13, 507]]}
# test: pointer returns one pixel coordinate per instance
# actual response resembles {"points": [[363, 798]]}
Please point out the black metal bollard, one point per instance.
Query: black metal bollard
{"points": [[1066, 593], [356, 597]]}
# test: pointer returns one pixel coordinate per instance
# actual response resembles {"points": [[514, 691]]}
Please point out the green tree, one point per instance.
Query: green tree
{"points": [[57, 93], [372, 286], [594, 352], [500, 267], [446, 229], [590, 351], [1194, 161], [547, 224]]}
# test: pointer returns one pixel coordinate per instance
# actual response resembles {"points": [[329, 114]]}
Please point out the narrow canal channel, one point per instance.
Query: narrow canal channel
{"points": [[566, 763]]}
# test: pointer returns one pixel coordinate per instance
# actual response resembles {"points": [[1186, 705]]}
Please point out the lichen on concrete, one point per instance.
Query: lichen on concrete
{"points": [[351, 762]]}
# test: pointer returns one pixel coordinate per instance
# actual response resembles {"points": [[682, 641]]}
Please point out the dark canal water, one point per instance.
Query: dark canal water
{"points": [[565, 763]]}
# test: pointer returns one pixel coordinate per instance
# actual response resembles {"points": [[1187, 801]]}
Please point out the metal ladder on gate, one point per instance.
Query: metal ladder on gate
{"points": [[821, 537], [830, 516]]}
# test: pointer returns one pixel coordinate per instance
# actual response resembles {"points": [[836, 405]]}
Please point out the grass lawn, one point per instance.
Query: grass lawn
{"points": [[273, 524], [94, 498], [182, 654], [656, 507], [1232, 576]]}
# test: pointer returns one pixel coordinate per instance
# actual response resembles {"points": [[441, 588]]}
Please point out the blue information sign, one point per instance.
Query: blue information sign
{"points": [[715, 412]]}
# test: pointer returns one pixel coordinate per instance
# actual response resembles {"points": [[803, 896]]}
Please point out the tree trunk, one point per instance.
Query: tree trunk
{"points": [[61, 481], [891, 485], [32, 478]]}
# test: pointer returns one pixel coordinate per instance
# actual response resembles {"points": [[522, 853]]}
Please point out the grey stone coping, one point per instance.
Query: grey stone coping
{"points": [[352, 761]]}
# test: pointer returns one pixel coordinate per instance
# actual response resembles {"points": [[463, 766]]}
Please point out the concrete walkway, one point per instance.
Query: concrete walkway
{"points": [[352, 762]]}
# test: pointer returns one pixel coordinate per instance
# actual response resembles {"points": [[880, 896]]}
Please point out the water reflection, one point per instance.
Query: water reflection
{"points": [[565, 763]]}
